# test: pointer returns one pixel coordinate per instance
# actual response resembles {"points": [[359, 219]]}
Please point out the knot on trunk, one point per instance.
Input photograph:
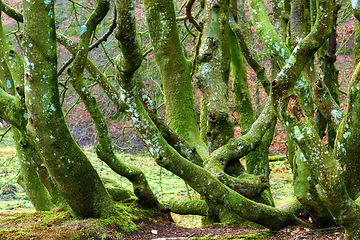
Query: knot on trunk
{"points": [[215, 116], [295, 109], [207, 49]]}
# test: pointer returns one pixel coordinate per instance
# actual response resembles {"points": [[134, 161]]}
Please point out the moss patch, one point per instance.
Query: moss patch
{"points": [[61, 225], [257, 236]]}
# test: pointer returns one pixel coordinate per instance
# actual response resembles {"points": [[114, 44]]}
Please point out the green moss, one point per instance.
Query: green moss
{"points": [[256, 236], [55, 215], [124, 216], [25, 225]]}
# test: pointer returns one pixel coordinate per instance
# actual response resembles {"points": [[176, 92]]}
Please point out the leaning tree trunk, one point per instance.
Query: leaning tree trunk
{"points": [[65, 161], [346, 147], [175, 72], [12, 74]]}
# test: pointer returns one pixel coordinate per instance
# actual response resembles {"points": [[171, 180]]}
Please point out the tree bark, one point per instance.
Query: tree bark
{"points": [[214, 60], [175, 72], [65, 161]]}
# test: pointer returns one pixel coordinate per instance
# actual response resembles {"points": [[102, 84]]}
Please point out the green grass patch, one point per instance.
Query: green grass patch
{"points": [[281, 179]]}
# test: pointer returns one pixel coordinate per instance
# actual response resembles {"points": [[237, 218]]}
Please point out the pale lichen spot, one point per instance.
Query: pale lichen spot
{"points": [[346, 134], [8, 84], [82, 29], [355, 4], [298, 133], [336, 116], [52, 107]]}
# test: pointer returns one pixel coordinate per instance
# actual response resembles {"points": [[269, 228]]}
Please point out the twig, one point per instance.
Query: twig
{"points": [[121, 148], [123, 136], [343, 44], [342, 92], [72, 106], [62, 69], [189, 31], [81, 5], [147, 52], [181, 18], [197, 49], [105, 36], [12, 179], [277, 158], [188, 190], [107, 55], [190, 17], [4, 134]]}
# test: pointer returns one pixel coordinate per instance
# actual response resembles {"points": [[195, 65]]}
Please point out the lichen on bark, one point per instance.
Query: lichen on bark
{"points": [[175, 72], [213, 75], [65, 161]]}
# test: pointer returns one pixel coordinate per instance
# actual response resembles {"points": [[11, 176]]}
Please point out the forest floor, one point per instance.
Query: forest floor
{"points": [[19, 221], [59, 225]]}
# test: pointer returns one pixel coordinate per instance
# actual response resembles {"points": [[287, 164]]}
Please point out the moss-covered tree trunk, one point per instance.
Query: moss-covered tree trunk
{"points": [[175, 72], [198, 178], [212, 79], [69, 167], [12, 74], [328, 171]]}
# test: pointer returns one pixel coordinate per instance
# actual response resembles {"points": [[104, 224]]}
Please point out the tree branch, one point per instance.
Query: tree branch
{"points": [[11, 12], [326, 104], [279, 50], [259, 70], [189, 5], [94, 71], [238, 148], [86, 32]]}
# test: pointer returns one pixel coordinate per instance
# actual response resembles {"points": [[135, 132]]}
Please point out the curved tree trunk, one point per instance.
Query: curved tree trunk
{"points": [[175, 72], [65, 161]]}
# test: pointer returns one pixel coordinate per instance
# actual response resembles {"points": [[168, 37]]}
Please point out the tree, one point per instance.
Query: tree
{"points": [[205, 155]]}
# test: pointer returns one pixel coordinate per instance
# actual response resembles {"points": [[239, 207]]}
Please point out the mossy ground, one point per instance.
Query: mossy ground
{"points": [[59, 224]]}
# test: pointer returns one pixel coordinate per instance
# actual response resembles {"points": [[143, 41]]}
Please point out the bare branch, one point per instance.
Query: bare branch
{"points": [[190, 17], [11, 12]]}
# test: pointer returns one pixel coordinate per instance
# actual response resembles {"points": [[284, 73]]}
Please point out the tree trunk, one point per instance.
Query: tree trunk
{"points": [[214, 60], [65, 161], [175, 72]]}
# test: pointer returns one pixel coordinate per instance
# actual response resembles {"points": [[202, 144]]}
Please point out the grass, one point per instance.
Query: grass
{"points": [[281, 182], [165, 184], [9, 172]]}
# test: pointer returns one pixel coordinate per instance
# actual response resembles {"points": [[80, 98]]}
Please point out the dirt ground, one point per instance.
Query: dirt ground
{"points": [[169, 231], [60, 225]]}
